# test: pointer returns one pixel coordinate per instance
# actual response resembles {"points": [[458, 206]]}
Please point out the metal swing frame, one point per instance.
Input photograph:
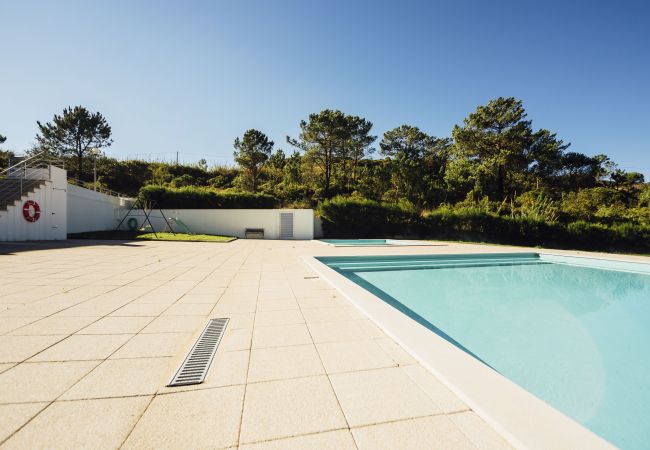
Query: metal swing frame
{"points": [[142, 204]]}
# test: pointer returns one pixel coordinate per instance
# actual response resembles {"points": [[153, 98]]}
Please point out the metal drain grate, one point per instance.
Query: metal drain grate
{"points": [[196, 364]]}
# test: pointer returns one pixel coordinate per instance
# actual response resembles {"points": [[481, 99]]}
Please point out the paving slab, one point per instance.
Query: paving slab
{"points": [[117, 325], [384, 395], [415, 434], [339, 440], [44, 381], [286, 408], [284, 362], [19, 348], [86, 353], [190, 420], [153, 345], [83, 347], [281, 336], [76, 425], [121, 378], [353, 356], [13, 417]]}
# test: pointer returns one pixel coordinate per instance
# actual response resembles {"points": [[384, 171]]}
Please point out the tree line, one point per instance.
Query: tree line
{"points": [[495, 153], [494, 158]]}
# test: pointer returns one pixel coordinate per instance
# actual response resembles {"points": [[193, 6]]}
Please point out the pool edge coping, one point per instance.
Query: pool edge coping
{"points": [[524, 420], [404, 243]]}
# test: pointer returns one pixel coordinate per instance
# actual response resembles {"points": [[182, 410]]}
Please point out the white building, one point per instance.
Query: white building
{"points": [[38, 203]]}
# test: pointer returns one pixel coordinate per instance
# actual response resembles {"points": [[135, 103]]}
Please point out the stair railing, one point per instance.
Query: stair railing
{"points": [[93, 187], [36, 167]]}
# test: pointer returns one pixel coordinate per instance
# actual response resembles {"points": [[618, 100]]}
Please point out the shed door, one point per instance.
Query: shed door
{"points": [[286, 225]]}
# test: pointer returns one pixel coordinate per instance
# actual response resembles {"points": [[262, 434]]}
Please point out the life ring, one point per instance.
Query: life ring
{"points": [[31, 211], [132, 224]]}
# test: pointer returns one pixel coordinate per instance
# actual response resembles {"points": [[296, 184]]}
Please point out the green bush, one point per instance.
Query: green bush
{"points": [[592, 204], [363, 218], [629, 237], [644, 196], [488, 227], [289, 193], [349, 217], [205, 198]]}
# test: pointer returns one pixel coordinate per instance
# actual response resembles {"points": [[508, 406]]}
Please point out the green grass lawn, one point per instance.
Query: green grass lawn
{"points": [[185, 237], [134, 235]]}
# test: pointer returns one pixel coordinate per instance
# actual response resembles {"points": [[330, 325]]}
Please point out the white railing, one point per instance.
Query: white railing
{"points": [[26, 166], [94, 187], [24, 176], [37, 167]]}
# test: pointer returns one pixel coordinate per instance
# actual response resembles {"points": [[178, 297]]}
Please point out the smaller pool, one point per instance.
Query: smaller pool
{"points": [[369, 242]]}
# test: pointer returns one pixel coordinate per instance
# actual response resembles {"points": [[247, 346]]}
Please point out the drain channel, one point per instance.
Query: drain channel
{"points": [[196, 364]]}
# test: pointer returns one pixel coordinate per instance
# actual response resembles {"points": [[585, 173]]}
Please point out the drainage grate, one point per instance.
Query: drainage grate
{"points": [[196, 364]]}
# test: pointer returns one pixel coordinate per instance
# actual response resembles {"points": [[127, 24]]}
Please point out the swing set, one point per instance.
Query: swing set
{"points": [[148, 208]]}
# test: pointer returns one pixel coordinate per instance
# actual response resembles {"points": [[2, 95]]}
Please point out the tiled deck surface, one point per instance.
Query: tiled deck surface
{"points": [[91, 332]]}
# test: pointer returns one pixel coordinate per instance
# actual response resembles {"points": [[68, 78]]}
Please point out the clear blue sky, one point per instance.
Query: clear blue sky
{"points": [[191, 76]]}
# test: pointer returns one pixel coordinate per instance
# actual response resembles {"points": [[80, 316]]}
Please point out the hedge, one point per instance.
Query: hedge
{"points": [[581, 235], [351, 217], [205, 198], [360, 218]]}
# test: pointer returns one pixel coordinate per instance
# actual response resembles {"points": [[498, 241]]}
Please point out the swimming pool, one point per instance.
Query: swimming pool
{"points": [[370, 242], [575, 332]]}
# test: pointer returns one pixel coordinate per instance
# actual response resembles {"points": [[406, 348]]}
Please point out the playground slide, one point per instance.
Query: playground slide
{"points": [[181, 225]]}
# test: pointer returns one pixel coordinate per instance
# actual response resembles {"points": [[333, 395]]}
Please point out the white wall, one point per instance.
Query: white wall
{"points": [[67, 208], [52, 223], [233, 222], [93, 211]]}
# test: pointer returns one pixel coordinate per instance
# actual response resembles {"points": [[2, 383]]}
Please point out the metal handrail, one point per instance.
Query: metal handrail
{"points": [[35, 161], [28, 167], [91, 186], [35, 168], [14, 191], [22, 163]]}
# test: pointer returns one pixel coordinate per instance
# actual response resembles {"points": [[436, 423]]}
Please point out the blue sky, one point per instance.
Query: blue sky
{"points": [[191, 76]]}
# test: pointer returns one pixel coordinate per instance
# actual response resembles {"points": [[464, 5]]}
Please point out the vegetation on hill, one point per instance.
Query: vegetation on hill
{"points": [[191, 197], [495, 178], [481, 222]]}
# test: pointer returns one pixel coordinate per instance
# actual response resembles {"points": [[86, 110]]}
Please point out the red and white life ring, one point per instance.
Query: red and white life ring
{"points": [[31, 211]]}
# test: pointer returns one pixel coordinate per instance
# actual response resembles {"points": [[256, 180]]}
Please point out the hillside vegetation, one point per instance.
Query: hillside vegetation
{"points": [[495, 178]]}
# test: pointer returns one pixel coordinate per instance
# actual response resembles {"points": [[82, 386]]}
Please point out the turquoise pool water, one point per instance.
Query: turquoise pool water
{"points": [[355, 242], [575, 332], [371, 242]]}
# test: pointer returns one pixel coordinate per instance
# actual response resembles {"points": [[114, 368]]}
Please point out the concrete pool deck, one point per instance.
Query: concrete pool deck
{"points": [[91, 332]]}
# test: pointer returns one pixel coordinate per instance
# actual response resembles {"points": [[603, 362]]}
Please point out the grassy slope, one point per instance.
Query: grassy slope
{"points": [[185, 237]]}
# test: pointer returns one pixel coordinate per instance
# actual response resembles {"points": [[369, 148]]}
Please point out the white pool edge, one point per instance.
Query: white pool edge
{"points": [[392, 243], [524, 420]]}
